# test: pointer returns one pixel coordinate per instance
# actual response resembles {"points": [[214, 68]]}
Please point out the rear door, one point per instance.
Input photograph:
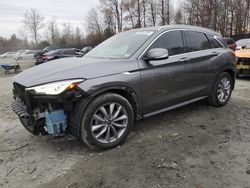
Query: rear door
{"points": [[203, 59]]}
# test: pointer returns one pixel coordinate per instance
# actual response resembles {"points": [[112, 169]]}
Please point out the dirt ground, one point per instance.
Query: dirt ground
{"points": [[194, 146]]}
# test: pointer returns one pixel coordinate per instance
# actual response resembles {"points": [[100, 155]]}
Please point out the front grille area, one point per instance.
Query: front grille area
{"points": [[19, 91], [23, 96], [244, 61], [19, 109]]}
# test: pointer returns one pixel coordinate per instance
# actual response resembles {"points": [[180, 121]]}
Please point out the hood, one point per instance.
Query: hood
{"points": [[73, 68], [243, 53]]}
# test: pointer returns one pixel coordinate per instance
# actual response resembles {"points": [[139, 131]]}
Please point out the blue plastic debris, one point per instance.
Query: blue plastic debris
{"points": [[56, 122]]}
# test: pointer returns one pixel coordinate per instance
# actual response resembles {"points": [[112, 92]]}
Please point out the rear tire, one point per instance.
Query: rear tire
{"points": [[107, 121], [222, 90]]}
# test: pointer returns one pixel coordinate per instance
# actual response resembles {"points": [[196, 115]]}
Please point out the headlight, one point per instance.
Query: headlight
{"points": [[55, 88]]}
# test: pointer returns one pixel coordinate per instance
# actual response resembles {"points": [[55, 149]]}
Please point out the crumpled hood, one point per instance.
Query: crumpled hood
{"points": [[73, 68]]}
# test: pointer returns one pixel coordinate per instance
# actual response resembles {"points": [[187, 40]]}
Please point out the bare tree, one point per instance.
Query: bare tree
{"points": [[53, 30], [138, 14], [165, 11], [23, 35], [227, 16], [129, 7], [109, 20], [116, 7], [33, 21], [178, 17], [94, 21], [78, 37], [153, 12]]}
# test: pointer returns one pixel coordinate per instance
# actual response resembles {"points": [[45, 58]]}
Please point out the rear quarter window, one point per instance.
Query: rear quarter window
{"points": [[196, 41]]}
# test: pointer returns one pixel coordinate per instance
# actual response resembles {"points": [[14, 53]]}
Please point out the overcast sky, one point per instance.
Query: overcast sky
{"points": [[66, 11]]}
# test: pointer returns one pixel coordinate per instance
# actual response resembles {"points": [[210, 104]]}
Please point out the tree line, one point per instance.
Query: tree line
{"points": [[229, 17]]}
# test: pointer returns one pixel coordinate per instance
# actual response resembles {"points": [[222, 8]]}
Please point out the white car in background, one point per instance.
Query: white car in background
{"points": [[25, 55], [8, 55], [242, 43]]}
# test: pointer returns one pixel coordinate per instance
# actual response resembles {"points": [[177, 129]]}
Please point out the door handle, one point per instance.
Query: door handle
{"points": [[184, 59], [215, 53]]}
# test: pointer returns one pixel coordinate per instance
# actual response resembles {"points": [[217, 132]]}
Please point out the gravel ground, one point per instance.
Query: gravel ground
{"points": [[193, 146]]}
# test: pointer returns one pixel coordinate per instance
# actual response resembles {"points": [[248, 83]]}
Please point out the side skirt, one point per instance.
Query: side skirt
{"points": [[173, 107]]}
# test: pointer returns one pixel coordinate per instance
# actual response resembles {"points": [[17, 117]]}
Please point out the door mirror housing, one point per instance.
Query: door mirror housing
{"points": [[157, 54]]}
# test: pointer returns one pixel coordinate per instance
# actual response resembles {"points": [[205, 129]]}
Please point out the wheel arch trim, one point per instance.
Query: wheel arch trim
{"points": [[126, 92]]}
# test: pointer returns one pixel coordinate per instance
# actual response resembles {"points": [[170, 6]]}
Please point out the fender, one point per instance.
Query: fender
{"points": [[75, 117]]}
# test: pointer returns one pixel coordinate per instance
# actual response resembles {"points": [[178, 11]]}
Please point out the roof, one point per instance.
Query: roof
{"points": [[169, 27]]}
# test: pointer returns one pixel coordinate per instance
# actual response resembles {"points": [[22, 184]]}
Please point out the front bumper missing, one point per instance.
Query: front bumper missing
{"points": [[27, 120], [31, 110], [19, 109], [53, 123]]}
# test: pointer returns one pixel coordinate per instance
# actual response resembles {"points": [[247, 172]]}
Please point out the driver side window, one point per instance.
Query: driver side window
{"points": [[172, 41]]}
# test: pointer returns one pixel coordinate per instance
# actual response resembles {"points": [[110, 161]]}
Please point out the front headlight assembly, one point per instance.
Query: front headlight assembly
{"points": [[55, 88]]}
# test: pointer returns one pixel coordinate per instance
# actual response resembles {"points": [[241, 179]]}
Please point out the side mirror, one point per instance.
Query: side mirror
{"points": [[157, 54]]}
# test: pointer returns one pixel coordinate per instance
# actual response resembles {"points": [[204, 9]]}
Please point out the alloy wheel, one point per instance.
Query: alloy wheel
{"points": [[224, 89], [109, 122]]}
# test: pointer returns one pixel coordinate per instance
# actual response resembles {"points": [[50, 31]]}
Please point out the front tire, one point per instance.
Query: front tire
{"points": [[222, 90], [107, 121]]}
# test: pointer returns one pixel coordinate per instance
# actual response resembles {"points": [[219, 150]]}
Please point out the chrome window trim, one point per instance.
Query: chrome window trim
{"points": [[144, 51]]}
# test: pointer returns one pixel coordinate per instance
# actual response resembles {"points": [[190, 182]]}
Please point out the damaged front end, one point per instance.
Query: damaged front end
{"points": [[47, 109]]}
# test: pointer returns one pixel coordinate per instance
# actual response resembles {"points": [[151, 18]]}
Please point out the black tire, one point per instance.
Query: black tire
{"points": [[237, 74], [87, 135], [214, 98]]}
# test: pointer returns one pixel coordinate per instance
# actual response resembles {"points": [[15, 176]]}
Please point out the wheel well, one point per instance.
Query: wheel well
{"points": [[232, 74], [128, 94]]}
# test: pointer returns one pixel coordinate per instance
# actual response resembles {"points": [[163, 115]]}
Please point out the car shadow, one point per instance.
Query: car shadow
{"points": [[244, 77], [71, 144]]}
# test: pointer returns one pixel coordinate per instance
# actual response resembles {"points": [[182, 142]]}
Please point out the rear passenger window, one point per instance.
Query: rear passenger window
{"points": [[213, 42], [196, 41], [172, 41]]}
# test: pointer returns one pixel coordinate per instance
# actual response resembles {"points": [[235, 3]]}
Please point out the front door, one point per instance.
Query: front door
{"points": [[165, 82]]}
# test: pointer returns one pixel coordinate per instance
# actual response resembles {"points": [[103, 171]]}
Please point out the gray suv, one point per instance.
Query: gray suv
{"points": [[132, 75]]}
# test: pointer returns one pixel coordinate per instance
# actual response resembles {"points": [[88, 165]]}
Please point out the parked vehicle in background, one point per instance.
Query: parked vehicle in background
{"points": [[26, 55], [19, 52], [243, 60], [242, 43], [45, 50], [86, 49], [57, 54], [132, 75], [230, 43], [8, 55]]}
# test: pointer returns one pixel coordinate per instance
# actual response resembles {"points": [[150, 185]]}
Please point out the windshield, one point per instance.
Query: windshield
{"points": [[123, 45]]}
